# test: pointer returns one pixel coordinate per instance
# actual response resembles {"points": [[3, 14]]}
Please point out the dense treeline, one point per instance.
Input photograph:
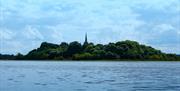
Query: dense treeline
{"points": [[12, 57], [7, 56], [123, 50]]}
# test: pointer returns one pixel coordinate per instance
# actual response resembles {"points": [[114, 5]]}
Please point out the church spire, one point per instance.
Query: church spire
{"points": [[86, 41], [86, 38]]}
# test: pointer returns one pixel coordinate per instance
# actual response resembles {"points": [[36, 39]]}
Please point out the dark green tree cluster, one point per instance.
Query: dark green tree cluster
{"points": [[123, 50], [11, 57], [7, 56]]}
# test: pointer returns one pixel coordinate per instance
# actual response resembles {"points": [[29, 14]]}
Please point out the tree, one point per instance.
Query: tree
{"points": [[120, 50], [74, 48], [46, 45], [19, 56], [111, 55], [83, 56], [89, 48], [111, 47]]}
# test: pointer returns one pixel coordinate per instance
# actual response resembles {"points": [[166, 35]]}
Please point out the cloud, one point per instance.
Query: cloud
{"points": [[159, 5], [6, 34], [163, 28], [168, 48], [32, 33], [153, 22], [16, 46]]}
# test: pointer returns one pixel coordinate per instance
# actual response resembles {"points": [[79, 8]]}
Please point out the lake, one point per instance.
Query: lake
{"points": [[89, 76]]}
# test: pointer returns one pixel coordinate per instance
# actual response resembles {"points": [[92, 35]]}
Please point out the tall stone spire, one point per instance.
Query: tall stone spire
{"points": [[86, 41], [86, 38]]}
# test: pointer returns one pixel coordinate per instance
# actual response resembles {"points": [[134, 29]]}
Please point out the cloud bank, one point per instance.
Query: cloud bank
{"points": [[25, 24]]}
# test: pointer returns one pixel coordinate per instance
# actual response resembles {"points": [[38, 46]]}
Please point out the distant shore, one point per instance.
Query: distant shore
{"points": [[105, 60], [119, 51]]}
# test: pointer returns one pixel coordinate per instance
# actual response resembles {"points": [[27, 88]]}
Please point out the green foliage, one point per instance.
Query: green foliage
{"points": [[83, 56], [19, 56], [74, 48], [46, 45], [130, 50], [7, 57], [120, 50]]}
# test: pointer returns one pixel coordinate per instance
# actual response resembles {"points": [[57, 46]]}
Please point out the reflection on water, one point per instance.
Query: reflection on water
{"points": [[89, 76]]}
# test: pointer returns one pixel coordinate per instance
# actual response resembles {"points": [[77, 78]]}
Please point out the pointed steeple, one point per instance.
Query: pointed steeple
{"points": [[86, 41], [86, 38]]}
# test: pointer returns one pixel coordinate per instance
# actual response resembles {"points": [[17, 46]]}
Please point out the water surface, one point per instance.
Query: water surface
{"points": [[89, 76]]}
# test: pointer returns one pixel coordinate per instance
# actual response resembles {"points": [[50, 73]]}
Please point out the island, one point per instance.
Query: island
{"points": [[121, 50]]}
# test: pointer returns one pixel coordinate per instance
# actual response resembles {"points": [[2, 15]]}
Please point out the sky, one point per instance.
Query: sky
{"points": [[25, 24]]}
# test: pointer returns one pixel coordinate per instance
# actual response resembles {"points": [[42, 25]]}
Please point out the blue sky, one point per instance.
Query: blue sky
{"points": [[24, 24]]}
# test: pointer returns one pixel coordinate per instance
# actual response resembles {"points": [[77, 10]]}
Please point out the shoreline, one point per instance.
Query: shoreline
{"points": [[96, 60]]}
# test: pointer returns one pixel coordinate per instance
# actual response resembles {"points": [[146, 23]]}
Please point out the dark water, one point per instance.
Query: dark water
{"points": [[89, 76]]}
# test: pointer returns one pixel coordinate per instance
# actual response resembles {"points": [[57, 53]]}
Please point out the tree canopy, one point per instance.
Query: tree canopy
{"points": [[122, 50]]}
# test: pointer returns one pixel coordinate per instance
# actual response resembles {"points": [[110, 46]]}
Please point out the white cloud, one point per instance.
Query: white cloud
{"points": [[16, 46], [163, 28], [161, 5], [6, 34], [168, 48], [32, 33], [55, 34], [103, 20]]}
